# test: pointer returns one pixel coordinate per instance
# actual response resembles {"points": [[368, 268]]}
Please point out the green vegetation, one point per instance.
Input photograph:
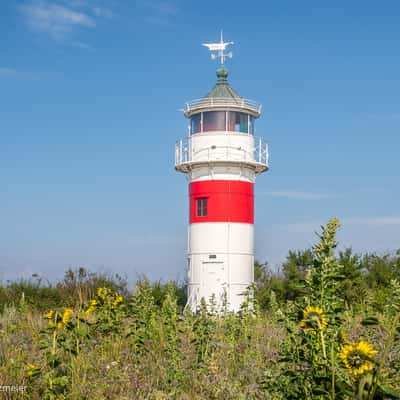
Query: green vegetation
{"points": [[327, 326]]}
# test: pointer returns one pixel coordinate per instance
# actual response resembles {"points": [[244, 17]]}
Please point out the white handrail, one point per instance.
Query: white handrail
{"points": [[223, 101], [259, 153]]}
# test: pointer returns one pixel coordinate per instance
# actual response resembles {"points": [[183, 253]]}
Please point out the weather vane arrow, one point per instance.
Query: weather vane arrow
{"points": [[220, 49]]}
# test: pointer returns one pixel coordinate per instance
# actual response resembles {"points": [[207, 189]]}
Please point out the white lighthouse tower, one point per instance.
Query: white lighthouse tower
{"points": [[221, 157]]}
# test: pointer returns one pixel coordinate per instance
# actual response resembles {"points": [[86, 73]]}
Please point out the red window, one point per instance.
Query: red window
{"points": [[201, 207]]}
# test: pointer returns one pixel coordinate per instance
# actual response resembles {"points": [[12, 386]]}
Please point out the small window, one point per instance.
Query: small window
{"points": [[251, 125], [214, 121], [238, 122], [201, 207], [195, 123]]}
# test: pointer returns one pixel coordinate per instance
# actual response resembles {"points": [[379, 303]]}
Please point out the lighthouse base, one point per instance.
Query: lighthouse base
{"points": [[221, 264]]}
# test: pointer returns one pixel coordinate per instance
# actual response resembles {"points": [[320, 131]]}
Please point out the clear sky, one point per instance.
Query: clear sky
{"points": [[90, 93]]}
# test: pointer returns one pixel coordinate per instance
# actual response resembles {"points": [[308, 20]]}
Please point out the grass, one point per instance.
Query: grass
{"points": [[230, 357], [89, 338]]}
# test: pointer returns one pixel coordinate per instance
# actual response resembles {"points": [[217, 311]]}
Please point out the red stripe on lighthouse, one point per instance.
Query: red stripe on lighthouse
{"points": [[227, 201]]}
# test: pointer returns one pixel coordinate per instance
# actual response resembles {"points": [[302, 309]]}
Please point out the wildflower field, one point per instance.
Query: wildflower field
{"points": [[326, 327]]}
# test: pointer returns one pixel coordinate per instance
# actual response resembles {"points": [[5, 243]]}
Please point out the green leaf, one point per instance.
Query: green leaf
{"points": [[388, 392], [370, 321], [52, 360], [319, 390], [82, 331], [343, 387], [289, 329]]}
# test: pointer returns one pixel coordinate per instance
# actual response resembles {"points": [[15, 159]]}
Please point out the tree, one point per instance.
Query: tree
{"points": [[294, 270], [267, 282], [354, 285]]}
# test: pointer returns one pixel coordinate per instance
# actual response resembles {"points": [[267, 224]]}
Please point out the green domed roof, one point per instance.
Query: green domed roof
{"points": [[222, 96], [222, 89]]}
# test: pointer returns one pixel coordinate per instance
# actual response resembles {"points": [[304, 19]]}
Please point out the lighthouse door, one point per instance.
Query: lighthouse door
{"points": [[213, 279]]}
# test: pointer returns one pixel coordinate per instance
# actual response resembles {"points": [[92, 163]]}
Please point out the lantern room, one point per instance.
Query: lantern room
{"points": [[222, 120]]}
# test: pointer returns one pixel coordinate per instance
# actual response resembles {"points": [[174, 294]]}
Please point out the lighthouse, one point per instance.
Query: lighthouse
{"points": [[221, 157]]}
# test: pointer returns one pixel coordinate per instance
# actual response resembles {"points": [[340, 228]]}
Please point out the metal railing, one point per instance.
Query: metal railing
{"points": [[223, 102], [255, 154]]}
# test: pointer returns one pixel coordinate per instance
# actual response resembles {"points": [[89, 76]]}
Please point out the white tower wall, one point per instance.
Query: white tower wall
{"points": [[221, 262]]}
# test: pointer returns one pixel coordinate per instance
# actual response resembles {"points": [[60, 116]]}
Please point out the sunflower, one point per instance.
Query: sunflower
{"points": [[50, 314], [66, 315], [53, 318], [92, 307], [314, 319], [358, 357], [117, 300], [103, 293], [31, 370]]}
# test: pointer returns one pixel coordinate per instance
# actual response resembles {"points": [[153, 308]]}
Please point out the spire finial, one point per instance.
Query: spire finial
{"points": [[219, 48]]}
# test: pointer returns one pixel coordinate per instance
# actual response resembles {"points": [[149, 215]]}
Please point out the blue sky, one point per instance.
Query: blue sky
{"points": [[90, 93]]}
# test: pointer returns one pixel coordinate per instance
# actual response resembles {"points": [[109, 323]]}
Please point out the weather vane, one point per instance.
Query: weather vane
{"points": [[219, 48]]}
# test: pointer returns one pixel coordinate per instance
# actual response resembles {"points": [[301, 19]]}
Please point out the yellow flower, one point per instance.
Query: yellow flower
{"points": [[57, 320], [31, 370], [117, 301], [53, 318], [314, 319], [66, 315], [103, 292], [92, 307], [50, 314], [358, 358], [89, 310]]}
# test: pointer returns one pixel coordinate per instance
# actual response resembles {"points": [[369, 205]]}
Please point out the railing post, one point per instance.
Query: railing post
{"points": [[180, 150], [176, 153], [259, 150]]}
